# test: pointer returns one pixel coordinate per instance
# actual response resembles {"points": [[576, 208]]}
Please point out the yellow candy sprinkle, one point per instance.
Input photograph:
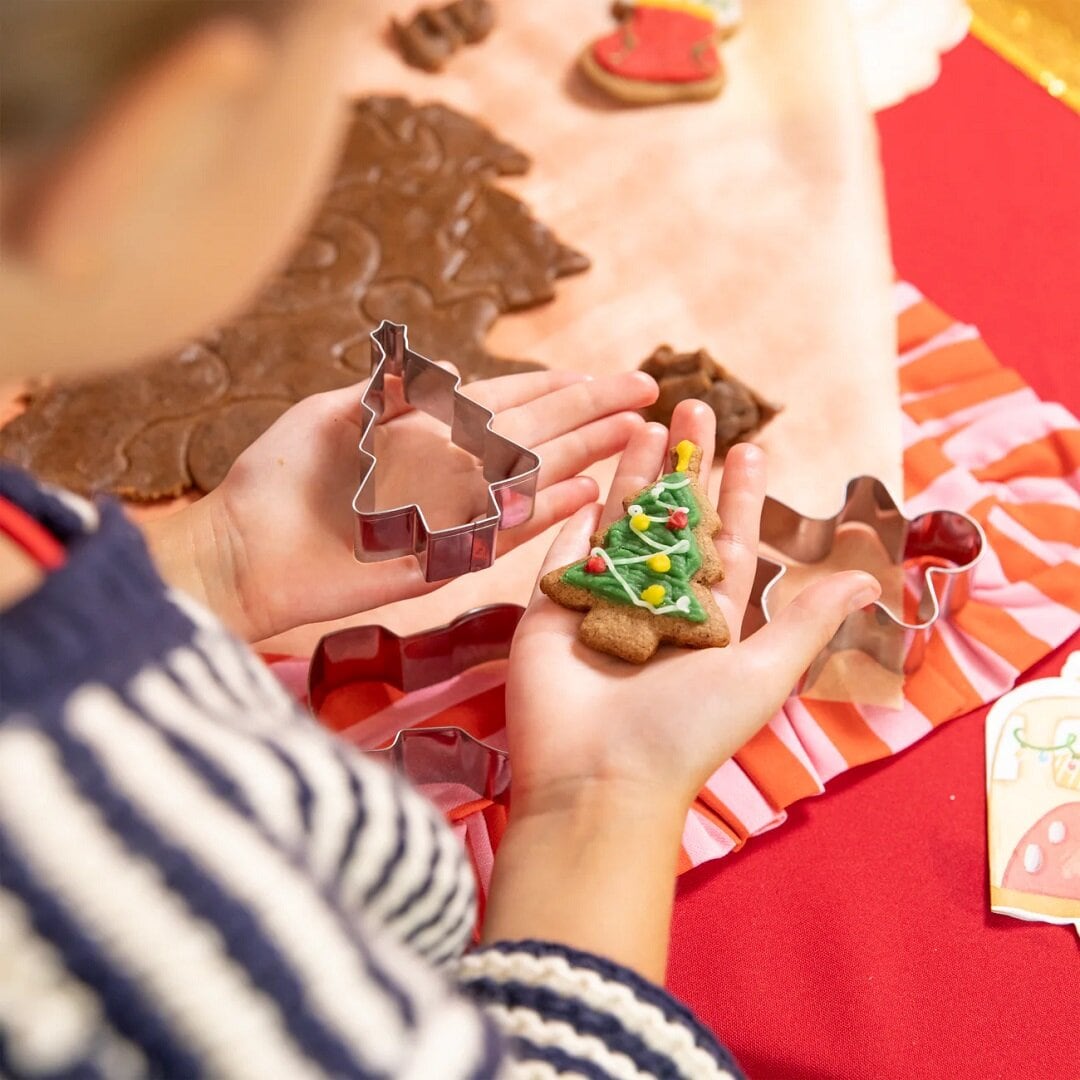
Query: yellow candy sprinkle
{"points": [[684, 452], [640, 522], [659, 564], [654, 595]]}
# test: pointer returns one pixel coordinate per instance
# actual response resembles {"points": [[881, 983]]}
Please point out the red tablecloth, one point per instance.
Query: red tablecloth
{"points": [[856, 941]]}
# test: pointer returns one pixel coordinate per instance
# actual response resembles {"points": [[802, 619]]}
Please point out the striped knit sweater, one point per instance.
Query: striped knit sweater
{"points": [[197, 880]]}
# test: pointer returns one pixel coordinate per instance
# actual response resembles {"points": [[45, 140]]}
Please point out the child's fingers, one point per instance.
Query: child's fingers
{"points": [[761, 672], [344, 403], [551, 415], [778, 654], [340, 404], [510, 391], [394, 403], [553, 504], [646, 457], [572, 543], [741, 495], [639, 465], [504, 392], [572, 453], [694, 420]]}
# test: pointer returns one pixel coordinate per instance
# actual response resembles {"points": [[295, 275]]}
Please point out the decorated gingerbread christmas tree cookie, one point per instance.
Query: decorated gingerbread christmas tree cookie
{"points": [[647, 577]]}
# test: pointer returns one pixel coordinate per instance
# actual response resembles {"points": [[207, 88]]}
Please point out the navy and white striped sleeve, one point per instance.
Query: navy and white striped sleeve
{"points": [[567, 1013], [380, 850], [150, 929], [197, 880]]}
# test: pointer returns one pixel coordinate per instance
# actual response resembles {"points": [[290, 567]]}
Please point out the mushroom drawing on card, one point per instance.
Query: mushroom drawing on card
{"points": [[1033, 799]]}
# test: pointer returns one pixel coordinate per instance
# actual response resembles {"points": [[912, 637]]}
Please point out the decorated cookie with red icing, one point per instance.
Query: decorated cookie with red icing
{"points": [[663, 50], [647, 576]]}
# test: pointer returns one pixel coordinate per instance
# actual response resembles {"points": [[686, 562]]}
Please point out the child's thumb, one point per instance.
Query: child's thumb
{"points": [[787, 645]]}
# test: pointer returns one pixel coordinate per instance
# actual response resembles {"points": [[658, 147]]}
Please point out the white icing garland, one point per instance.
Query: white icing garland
{"points": [[677, 549], [682, 605], [661, 486]]}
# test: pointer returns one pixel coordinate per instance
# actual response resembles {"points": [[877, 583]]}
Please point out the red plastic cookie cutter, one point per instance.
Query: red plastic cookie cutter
{"points": [[945, 545], [510, 470], [375, 654]]}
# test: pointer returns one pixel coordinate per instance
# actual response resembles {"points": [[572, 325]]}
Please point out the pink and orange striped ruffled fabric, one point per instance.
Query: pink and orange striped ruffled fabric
{"points": [[976, 438]]}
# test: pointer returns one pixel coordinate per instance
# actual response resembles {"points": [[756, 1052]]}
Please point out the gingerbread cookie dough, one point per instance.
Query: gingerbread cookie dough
{"points": [[740, 411], [647, 577], [662, 50], [413, 229], [434, 34]]}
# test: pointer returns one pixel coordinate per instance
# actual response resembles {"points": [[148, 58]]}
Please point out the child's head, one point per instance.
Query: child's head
{"points": [[156, 158]]}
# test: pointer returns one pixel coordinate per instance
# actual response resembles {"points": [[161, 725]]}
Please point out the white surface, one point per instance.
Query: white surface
{"points": [[899, 44]]}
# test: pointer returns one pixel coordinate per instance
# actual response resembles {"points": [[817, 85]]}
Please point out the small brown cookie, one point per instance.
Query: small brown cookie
{"points": [[434, 34], [740, 411], [648, 576]]}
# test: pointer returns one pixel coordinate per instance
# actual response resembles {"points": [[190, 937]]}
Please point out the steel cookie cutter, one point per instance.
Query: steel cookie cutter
{"points": [[951, 542], [510, 471], [415, 662]]}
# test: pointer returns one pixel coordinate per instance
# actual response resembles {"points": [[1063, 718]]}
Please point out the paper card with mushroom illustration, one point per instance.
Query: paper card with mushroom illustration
{"points": [[1033, 799]]}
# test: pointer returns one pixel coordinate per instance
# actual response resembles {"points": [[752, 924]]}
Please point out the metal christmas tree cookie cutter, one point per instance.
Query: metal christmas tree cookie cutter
{"points": [[510, 471], [374, 654], [946, 543]]}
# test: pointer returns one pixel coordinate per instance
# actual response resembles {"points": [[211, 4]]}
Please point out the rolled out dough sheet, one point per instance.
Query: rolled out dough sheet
{"points": [[752, 225]]}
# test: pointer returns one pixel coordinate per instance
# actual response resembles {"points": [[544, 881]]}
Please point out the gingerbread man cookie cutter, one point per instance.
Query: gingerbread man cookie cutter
{"points": [[946, 545], [510, 471], [374, 654]]}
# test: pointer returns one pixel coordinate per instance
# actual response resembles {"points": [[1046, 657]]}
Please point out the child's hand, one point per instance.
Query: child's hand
{"points": [[579, 719], [272, 546], [608, 756]]}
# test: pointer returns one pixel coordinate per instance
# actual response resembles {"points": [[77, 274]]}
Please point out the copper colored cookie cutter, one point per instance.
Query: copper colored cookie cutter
{"points": [[510, 471], [374, 654], [945, 543]]}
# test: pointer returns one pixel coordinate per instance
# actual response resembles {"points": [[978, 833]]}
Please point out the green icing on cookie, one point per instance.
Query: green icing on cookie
{"points": [[626, 550]]}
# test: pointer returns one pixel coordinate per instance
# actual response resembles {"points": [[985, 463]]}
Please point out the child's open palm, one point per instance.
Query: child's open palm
{"points": [[579, 720]]}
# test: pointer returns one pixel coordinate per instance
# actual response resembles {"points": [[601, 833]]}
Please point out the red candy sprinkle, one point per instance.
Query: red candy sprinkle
{"points": [[595, 565], [678, 519]]}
